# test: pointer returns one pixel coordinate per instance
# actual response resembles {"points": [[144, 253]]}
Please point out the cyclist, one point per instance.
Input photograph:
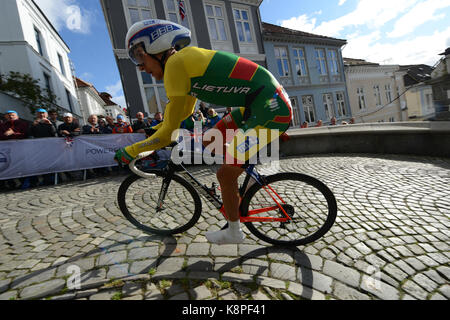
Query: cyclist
{"points": [[159, 48]]}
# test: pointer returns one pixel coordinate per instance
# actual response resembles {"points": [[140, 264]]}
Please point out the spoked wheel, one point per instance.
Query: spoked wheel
{"points": [[307, 201], [159, 205]]}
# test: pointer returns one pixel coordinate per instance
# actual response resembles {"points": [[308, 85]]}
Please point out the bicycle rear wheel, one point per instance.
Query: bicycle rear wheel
{"points": [[310, 204], [139, 201]]}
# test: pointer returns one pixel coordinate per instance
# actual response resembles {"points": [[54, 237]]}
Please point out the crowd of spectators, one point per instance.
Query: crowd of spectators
{"points": [[48, 124]]}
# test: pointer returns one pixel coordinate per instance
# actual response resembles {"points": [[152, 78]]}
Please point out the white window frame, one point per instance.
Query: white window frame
{"points": [[341, 104], [61, 64], [245, 47], [241, 21], [40, 44], [69, 100], [299, 59], [321, 62], [219, 43], [328, 105], [279, 57], [334, 62], [377, 94], [429, 104], [127, 8], [309, 108], [361, 98], [296, 120], [49, 85], [187, 8], [388, 90]]}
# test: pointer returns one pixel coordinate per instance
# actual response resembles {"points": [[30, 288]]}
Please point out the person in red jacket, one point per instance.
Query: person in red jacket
{"points": [[13, 127], [122, 126]]}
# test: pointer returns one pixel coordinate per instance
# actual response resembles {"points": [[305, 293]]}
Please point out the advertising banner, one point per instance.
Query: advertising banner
{"points": [[30, 157]]}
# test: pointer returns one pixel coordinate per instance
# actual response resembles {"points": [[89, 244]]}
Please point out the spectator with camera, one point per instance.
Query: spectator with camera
{"points": [[42, 127], [69, 128], [121, 126], [92, 127]]}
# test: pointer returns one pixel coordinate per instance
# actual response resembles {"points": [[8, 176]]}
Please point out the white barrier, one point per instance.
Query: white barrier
{"points": [[31, 157]]}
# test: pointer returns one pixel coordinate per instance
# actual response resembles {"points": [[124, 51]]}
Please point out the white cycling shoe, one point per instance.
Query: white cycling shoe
{"points": [[226, 236]]}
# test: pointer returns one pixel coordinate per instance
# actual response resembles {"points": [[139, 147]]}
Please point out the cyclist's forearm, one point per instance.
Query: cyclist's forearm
{"points": [[157, 141]]}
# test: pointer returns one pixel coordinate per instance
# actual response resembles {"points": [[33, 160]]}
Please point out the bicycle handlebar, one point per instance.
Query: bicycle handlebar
{"points": [[138, 172]]}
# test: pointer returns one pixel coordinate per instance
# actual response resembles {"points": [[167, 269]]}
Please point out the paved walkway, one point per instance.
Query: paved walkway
{"points": [[390, 241]]}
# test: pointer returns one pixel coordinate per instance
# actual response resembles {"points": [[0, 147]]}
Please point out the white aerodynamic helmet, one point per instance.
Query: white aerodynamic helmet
{"points": [[156, 36]]}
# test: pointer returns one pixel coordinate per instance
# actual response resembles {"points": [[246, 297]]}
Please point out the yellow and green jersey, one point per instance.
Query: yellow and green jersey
{"points": [[220, 78]]}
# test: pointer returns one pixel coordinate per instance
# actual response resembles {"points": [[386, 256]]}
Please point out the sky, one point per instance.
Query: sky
{"points": [[383, 31]]}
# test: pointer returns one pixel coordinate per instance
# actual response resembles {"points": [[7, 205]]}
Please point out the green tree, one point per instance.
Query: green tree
{"points": [[27, 89]]}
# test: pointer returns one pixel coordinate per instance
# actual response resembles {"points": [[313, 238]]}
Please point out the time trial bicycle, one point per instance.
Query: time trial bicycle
{"points": [[287, 208]]}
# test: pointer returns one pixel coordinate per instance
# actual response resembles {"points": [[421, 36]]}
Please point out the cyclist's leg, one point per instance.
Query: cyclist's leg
{"points": [[228, 175]]}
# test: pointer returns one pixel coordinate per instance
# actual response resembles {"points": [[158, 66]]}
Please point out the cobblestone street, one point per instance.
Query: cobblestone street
{"points": [[390, 241]]}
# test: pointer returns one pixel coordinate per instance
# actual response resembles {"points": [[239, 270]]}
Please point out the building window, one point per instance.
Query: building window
{"points": [[241, 18], [341, 104], [139, 10], [282, 59], [216, 22], [334, 62], [361, 98], [173, 13], [61, 65], [300, 62], [296, 113], [38, 36], [48, 86], [392, 119], [377, 93], [156, 99], [328, 105], [388, 91], [69, 100], [429, 101], [320, 60], [308, 108]]}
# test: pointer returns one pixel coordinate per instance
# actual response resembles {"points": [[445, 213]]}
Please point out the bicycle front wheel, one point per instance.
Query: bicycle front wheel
{"points": [[150, 208], [307, 201]]}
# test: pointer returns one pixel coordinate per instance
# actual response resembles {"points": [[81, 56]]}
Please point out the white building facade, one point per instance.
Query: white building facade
{"points": [[374, 91], [90, 100], [29, 44]]}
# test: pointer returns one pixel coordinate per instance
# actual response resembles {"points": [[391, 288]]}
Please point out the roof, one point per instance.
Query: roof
{"points": [[50, 24], [358, 62], [416, 73], [81, 83], [446, 52], [271, 30], [107, 98]]}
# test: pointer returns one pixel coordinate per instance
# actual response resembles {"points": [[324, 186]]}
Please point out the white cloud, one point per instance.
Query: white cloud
{"points": [[303, 23], [116, 91], [120, 100], [423, 49], [341, 2], [371, 27], [66, 14], [373, 14], [417, 16]]}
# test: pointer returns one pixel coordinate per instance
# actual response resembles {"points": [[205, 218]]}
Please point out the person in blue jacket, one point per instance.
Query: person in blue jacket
{"points": [[212, 118]]}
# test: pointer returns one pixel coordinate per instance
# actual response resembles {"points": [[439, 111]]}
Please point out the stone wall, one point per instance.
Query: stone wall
{"points": [[414, 138]]}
